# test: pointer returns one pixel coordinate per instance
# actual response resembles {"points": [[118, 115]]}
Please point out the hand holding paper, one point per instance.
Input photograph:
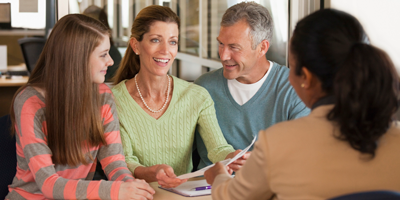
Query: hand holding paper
{"points": [[224, 162], [242, 152], [239, 162], [166, 177]]}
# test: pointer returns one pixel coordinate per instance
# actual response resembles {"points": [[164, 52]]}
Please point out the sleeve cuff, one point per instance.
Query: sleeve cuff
{"points": [[218, 181], [115, 189], [220, 156], [133, 166], [220, 178]]}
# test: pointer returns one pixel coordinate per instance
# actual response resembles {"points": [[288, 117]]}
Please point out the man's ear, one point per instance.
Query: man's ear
{"points": [[263, 47], [133, 43]]}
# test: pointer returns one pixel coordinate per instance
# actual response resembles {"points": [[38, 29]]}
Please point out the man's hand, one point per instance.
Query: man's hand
{"points": [[237, 164]]}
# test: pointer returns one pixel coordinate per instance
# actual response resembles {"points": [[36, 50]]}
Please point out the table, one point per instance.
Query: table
{"points": [[8, 87], [23, 32], [165, 195], [15, 81]]}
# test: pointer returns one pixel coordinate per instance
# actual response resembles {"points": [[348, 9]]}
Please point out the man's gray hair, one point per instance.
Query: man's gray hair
{"points": [[256, 15]]}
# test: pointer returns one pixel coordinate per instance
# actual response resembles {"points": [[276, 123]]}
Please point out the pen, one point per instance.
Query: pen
{"points": [[203, 188]]}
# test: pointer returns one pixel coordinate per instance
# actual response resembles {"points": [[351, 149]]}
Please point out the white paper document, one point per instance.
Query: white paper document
{"points": [[188, 189], [225, 162]]}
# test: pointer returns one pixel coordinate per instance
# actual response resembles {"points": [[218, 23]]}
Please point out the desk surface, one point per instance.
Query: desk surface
{"points": [[165, 195], [15, 81], [23, 32]]}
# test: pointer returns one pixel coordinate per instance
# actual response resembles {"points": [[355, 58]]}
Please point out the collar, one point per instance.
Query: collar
{"points": [[330, 99]]}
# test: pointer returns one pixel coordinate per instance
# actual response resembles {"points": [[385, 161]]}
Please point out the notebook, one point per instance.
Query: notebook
{"points": [[187, 189]]}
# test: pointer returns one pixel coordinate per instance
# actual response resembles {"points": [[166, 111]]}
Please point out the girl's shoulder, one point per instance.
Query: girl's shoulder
{"points": [[28, 101], [29, 94], [106, 94], [104, 88]]}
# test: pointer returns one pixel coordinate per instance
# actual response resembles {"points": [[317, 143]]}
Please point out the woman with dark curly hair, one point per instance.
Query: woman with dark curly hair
{"points": [[349, 142]]}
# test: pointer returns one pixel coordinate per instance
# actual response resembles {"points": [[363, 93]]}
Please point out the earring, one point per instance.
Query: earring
{"points": [[302, 85], [136, 53]]}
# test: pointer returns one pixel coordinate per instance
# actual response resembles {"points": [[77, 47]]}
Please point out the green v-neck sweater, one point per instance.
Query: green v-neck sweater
{"points": [[169, 139]]}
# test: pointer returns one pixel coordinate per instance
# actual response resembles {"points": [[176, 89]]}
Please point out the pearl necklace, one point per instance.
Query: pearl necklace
{"points": [[144, 102]]}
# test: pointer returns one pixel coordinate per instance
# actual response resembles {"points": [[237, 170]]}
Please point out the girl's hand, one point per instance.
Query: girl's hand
{"points": [[136, 189]]}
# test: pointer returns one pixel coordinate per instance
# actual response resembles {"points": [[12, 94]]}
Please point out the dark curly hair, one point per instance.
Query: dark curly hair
{"points": [[333, 46]]}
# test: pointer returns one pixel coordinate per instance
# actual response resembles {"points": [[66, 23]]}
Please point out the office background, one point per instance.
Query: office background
{"points": [[198, 47]]}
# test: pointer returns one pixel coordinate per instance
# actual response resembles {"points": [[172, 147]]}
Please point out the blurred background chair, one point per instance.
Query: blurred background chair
{"points": [[31, 49], [370, 195], [8, 158]]}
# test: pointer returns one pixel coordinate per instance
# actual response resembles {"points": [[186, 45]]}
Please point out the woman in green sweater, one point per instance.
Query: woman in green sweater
{"points": [[159, 113]]}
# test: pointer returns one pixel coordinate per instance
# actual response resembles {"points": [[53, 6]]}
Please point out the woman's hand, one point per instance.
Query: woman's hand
{"points": [[166, 177], [214, 171], [136, 189], [237, 164]]}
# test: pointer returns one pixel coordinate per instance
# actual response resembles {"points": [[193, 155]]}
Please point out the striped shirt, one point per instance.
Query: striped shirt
{"points": [[38, 177]]}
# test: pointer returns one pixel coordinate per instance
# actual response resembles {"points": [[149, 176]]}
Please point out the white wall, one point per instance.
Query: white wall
{"points": [[381, 21], [32, 20]]}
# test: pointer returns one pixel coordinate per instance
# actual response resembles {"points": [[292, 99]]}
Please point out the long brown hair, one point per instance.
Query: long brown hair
{"points": [[73, 121], [130, 63]]}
